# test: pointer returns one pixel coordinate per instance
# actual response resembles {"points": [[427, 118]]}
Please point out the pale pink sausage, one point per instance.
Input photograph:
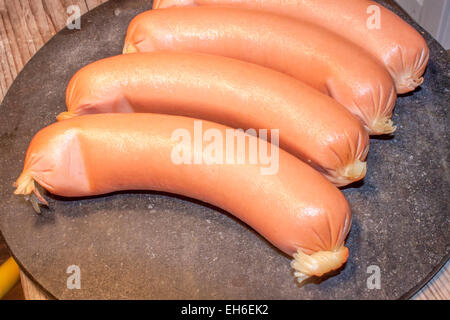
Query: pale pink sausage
{"points": [[368, 24], [309, 53], [295, 207], [311, 125]]}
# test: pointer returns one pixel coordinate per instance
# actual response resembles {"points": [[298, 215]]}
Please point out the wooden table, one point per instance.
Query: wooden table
{"points": [[25, 26]]}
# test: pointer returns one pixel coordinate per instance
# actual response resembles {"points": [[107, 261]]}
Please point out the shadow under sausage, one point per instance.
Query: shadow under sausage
{"points": [[48, 212]]}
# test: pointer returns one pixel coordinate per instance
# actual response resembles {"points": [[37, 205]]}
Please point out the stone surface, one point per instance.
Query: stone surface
{"points": [[153, 245]]}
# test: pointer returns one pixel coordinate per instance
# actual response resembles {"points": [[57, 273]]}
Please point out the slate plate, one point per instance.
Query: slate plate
{"points": [[152, 245]]}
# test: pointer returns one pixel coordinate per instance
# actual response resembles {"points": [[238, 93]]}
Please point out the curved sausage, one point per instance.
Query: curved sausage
{"points": [[296, 208], [312, 126], [393, 42], [311, 54]]}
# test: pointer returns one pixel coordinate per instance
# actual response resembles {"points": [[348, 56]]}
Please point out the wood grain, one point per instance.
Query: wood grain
{"points": [[25, 26], [30, 290]]}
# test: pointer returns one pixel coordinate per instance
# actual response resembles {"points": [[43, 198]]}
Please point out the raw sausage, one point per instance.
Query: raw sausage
{"points": [[296, 208], [312, 126], [381, 32], [309, 53]]}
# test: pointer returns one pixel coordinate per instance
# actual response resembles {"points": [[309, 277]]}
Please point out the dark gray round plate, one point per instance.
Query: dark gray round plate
{"points": [[152, 245]]}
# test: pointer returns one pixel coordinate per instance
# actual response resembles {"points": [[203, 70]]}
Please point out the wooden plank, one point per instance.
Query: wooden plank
{"points": [[30, 290], [20, 30], [57, 12], [43, 22], [29, 22], [25, 26], [12, 57]]}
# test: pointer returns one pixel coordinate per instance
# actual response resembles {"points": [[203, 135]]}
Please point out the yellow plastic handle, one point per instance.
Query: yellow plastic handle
{"points": [[9, 276]]}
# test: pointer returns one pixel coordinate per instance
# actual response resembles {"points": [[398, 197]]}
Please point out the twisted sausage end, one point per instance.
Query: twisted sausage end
{"points": [[25, 186], [382, 126], [350, 173], [318, 263], [129, 48], [408, 84], [65, 115]]}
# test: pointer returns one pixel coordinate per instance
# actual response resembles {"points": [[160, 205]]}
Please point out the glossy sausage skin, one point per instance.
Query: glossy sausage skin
{"points": [[296, 209], [396, 44], [312, 126], [311, 54]]}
